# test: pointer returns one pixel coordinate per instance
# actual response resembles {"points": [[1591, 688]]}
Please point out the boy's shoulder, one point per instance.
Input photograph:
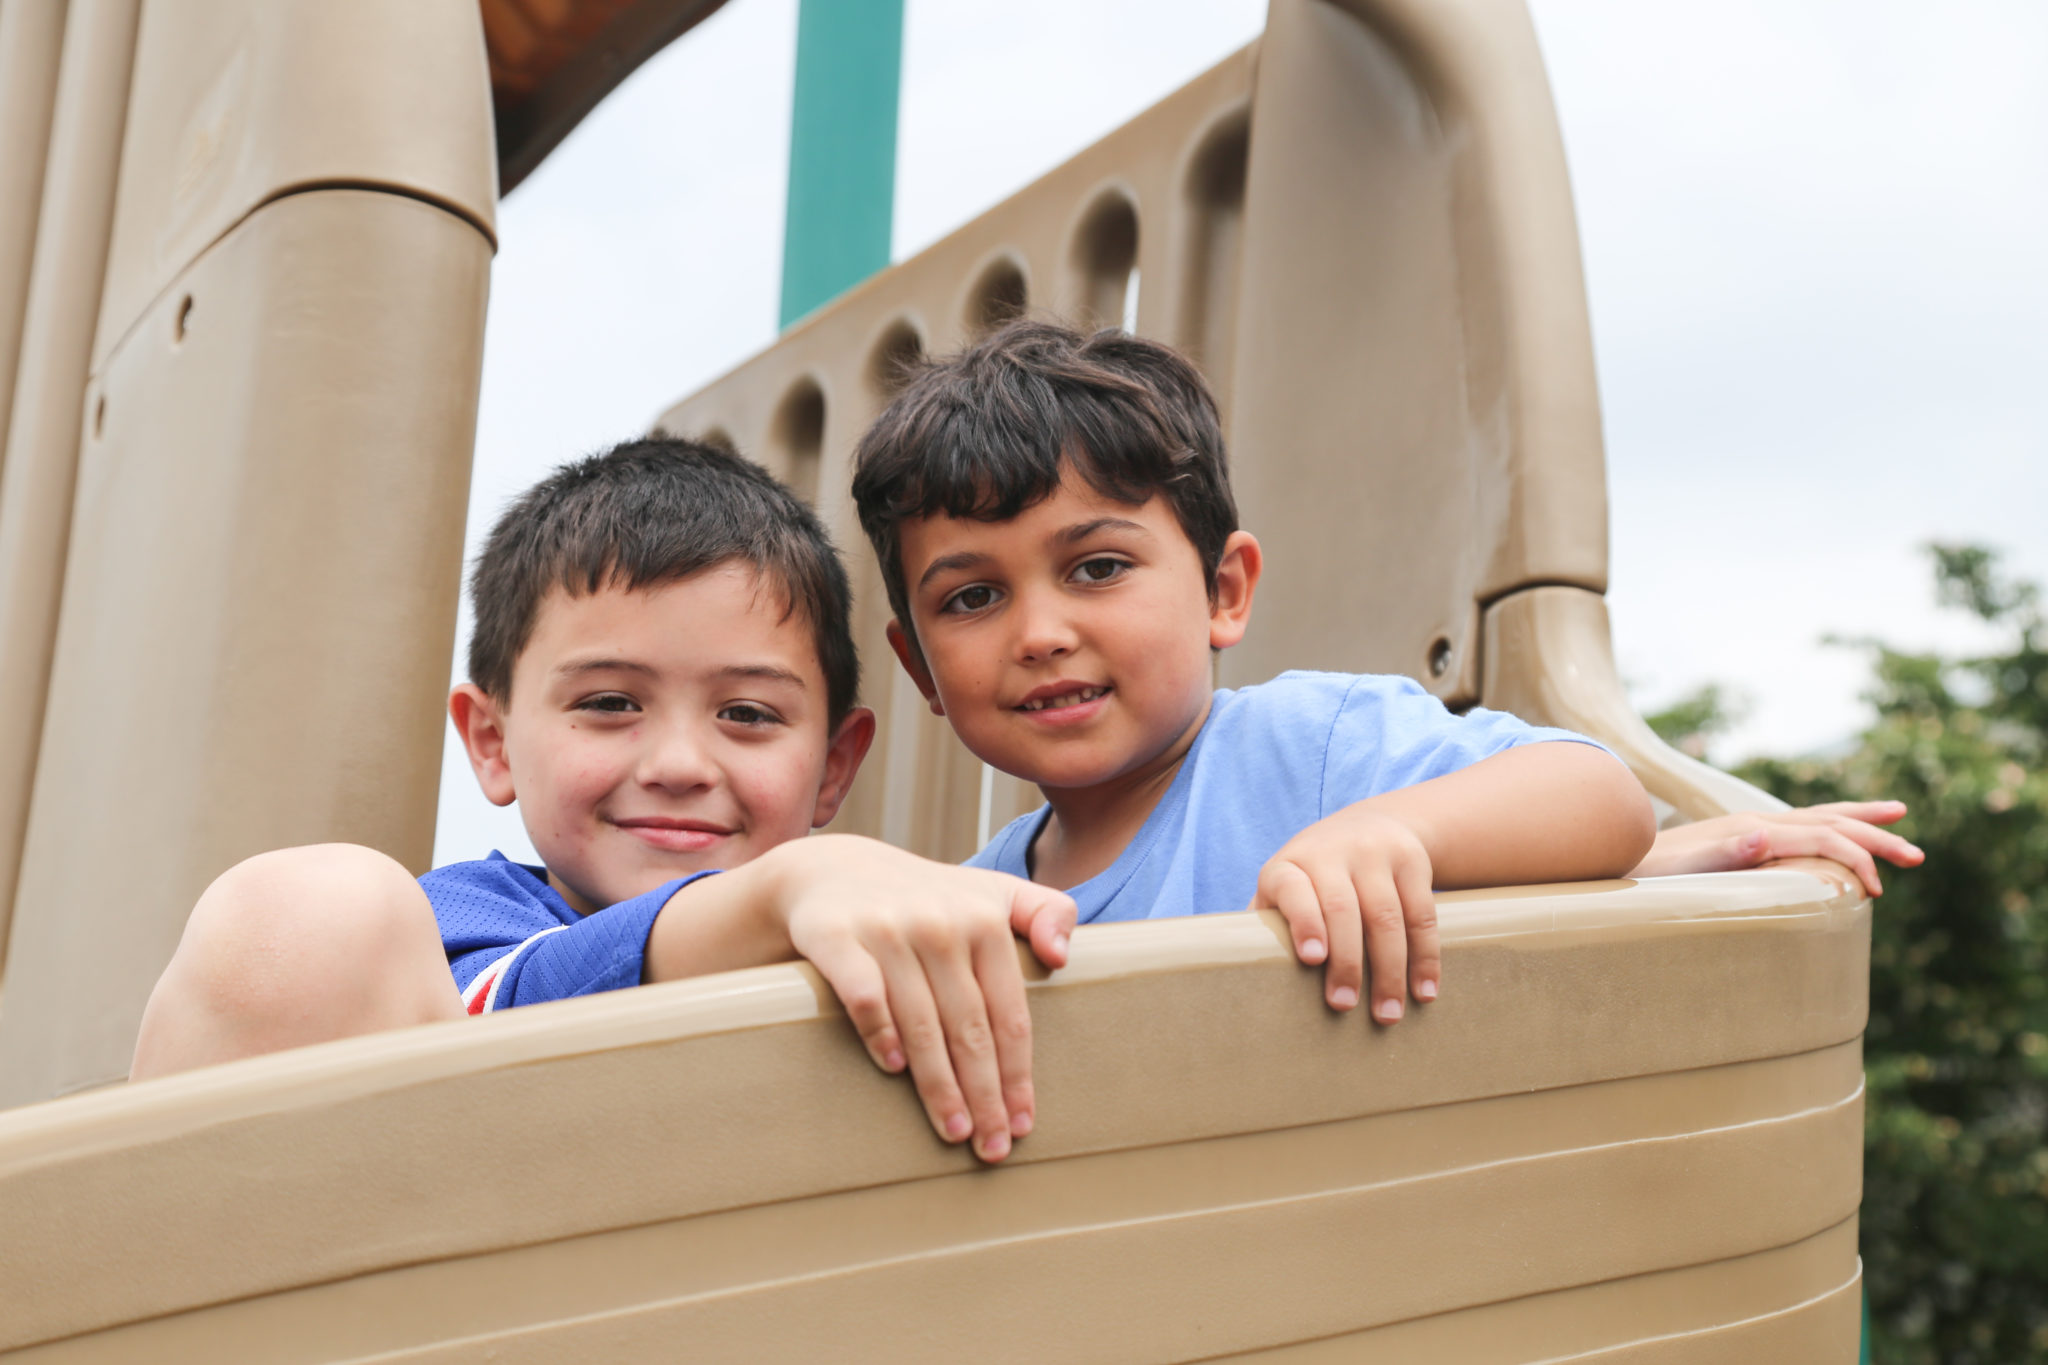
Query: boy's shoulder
{"points": [[1305, 697], [495, 873], [485, 895], [1285, 730]]}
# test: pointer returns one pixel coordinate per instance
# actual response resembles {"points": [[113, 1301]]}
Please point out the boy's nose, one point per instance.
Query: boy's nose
{"points": [[677, 758], [1043, 630]]}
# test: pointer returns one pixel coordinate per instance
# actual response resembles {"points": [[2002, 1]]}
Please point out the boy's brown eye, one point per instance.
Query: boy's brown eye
{"points": [[607, 701], [971, 599], [1101, 570]]}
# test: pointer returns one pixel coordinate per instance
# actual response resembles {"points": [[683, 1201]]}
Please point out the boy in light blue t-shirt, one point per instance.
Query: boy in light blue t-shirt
{"points": [[1056, 531]]}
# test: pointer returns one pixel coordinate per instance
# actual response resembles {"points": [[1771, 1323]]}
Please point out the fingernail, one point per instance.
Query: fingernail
{"points": [[1020, 1124], [1343, 998], [1426, 990], [958, 1126], [1388, 1011], [1059, 943], [1312, 950], [893, 1060], [996, 1148]]}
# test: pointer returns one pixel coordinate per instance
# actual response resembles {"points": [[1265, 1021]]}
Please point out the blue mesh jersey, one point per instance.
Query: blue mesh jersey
{"points": [[1270, 761], [512, 940]]}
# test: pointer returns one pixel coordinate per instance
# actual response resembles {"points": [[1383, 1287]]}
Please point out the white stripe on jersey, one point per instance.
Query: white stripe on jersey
{"points": [[492, 977]]}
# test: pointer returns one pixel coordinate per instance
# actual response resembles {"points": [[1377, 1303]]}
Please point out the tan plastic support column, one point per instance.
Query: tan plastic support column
{"points": [[265, 519], [31, 45], [41, 471]]}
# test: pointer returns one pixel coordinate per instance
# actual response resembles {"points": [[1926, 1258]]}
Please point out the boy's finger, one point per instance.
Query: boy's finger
{"points": [[1881, 842], [1044, 918], [924, 1041], [1870, 812], [1736, 852], [1386, 943], [1425, 952], [1286, 888], [856, 979], [1852, 855], [1821, 841], [1009, 1018], [1344, 978], [970, 1040]]}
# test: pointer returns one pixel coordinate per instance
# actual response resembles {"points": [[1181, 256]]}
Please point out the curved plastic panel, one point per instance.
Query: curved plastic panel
{"points": [[1634, 1119], [259, 602], [1415, 419], [237, 102]]}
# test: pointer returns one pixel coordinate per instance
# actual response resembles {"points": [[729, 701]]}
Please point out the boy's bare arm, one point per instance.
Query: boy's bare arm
{"points": [[1550, 812], [921, 954], [1358, 887]]}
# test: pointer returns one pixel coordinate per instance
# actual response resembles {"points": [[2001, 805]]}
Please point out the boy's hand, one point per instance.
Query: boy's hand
{"points": [[923, 957], [1353, 888], [1845, 831]]}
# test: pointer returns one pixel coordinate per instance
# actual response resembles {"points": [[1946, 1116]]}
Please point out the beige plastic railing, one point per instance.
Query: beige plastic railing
{"points": [[1629, 1132]]}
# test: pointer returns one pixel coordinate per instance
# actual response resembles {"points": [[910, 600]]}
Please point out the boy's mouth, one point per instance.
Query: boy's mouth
{"points": [[1062, 696], [674, 836]]}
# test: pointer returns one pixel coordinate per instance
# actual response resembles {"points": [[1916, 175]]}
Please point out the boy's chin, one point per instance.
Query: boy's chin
{"points": [[1064, 777]]}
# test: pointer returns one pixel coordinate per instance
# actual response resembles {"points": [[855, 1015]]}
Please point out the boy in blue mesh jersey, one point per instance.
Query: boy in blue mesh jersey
{"points": [[661, 675]]}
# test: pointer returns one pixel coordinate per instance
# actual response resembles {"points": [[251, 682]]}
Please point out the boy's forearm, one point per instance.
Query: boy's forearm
{"points": [[721, 924], [1548, 812]]}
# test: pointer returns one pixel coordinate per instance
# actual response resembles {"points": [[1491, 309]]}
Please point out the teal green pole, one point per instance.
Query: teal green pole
{"points": [[842, 149], [1864, 1355]]}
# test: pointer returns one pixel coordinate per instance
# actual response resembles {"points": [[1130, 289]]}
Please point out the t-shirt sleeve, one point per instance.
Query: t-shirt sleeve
{"points": [[606, 951], [1389, 733], [508, 945]]}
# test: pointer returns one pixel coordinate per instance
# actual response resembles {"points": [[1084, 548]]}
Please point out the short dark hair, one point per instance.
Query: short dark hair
{"points": [[988, 432], [649, 512]]}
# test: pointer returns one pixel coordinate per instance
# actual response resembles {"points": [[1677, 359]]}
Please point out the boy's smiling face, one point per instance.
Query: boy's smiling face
{"points": [[660, 731], [1070, 645]]}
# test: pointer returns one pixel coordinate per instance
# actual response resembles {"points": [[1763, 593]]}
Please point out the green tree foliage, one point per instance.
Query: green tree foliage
{"points": [[1955, 1200]]}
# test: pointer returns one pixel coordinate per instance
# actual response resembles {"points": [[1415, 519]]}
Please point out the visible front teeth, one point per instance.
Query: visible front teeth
{"points": [[1070, 699]]}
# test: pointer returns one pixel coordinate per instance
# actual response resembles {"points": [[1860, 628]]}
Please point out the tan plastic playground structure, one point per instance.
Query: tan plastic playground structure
{"points": [[240, 339]]}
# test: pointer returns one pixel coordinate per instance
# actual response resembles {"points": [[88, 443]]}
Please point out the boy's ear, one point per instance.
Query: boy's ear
{"points": [[843, 753], [1237, 578], [481, 723], [912, 659]]}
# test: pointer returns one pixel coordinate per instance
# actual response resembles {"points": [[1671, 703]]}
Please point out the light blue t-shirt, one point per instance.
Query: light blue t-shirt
{"points": [[1270, 761]]}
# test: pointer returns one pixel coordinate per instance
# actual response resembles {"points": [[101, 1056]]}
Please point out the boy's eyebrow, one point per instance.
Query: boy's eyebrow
{"points": [[1083, 530], [582, 666], [959, 559], [765, 672]]}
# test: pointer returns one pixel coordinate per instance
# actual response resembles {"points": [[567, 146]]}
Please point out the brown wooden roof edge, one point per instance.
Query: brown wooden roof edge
{"points": [[552, 61]]}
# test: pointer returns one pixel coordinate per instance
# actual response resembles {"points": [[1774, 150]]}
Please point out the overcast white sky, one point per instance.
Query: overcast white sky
{"points": [[1813, 237]]}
